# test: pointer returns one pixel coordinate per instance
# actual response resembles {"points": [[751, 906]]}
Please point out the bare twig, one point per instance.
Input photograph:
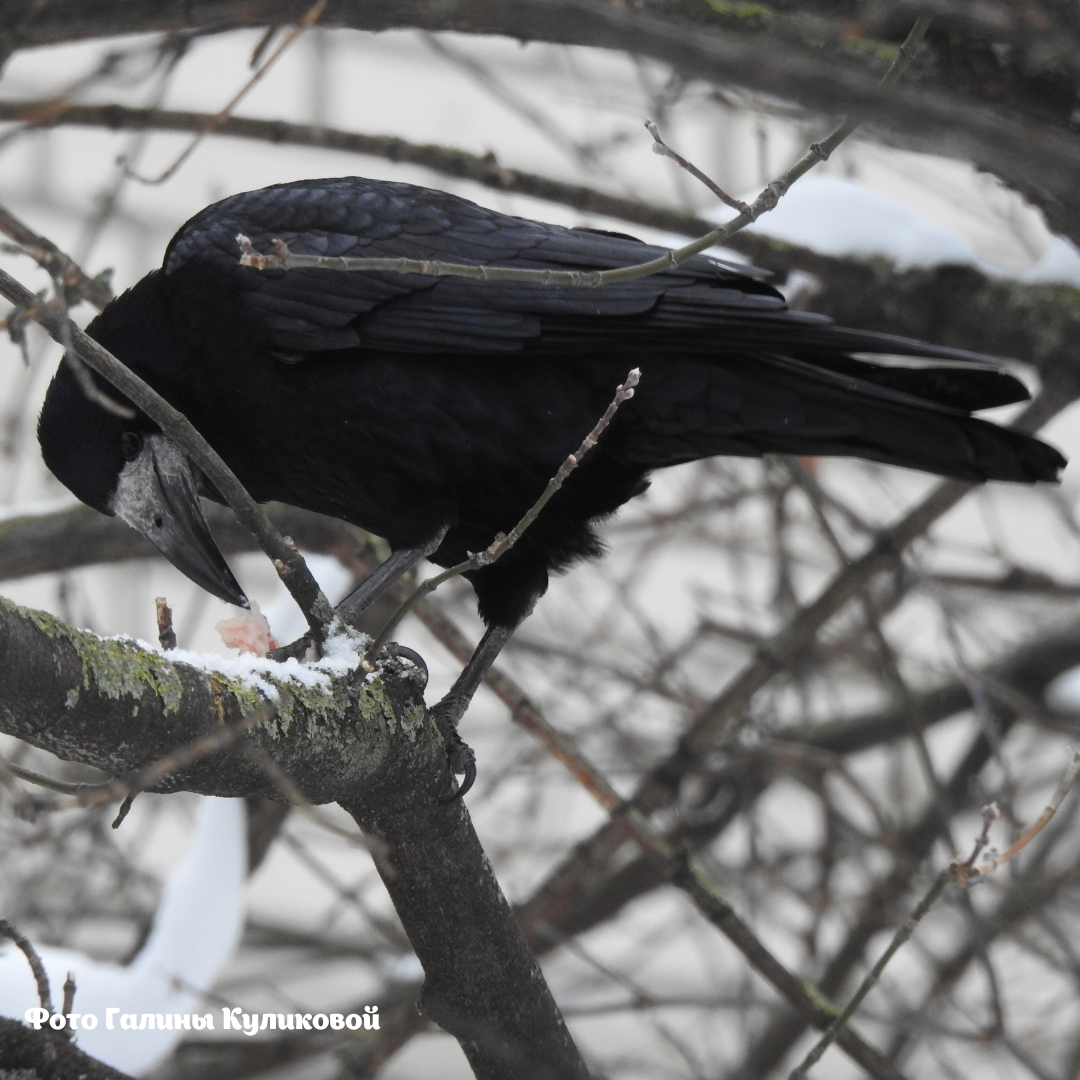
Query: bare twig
{"points": [[899, 939], [1033, 830], [660, 147], [505, 541], [62, 786], [283, 259], [71, 285], [288, 562], [122, 813], [32, 958], [309, 19], [91, 391], [956, 872], [165, 630], [210, 743], [69, 998], [77, 285]]}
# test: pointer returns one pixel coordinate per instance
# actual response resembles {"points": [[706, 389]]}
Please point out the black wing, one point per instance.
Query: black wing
{"points": [[704, 307]]}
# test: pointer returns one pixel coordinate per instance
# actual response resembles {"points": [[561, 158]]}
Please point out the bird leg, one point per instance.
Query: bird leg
{"points": [[378, 581], [449, 711]]}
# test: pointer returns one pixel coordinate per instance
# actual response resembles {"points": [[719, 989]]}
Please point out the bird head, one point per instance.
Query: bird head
{"points": [[127, 469]]}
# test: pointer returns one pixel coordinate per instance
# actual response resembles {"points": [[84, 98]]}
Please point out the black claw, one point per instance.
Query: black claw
{"points": [[468, 779], [459, 754], [467, 782], [392, 648]]}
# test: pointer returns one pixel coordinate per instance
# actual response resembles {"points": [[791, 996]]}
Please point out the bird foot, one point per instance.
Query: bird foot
{"points": [[459, 754]]}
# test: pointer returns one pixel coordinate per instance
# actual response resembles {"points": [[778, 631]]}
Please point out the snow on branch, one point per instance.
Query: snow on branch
{"points": [[169, 721]]}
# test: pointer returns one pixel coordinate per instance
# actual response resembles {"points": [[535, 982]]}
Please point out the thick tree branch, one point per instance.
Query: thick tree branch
{"points": [[482, 983], [68, 539], [118, 706], [449, 161], [359, 740], [47, 1055], [1027, 149]]}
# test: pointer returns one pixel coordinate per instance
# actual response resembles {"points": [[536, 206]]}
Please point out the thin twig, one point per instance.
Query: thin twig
{"points": [[287, 561], [69, 999], [660, 147], [32, 958], [62, 786], [283, 259], [1032, 830], [505, 541], [899, 938], [686, 873], [165, 631], [951, 873], [198, 748], [122, 813], [70, 284], [76, 283], [312, 16], [91, 391]]}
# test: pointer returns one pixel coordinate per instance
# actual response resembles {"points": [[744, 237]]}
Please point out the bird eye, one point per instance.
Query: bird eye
{"points": [[130, 445]]}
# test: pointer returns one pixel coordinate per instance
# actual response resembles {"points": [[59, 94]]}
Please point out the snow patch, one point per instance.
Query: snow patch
{"points": [[1059, 266], [839, 217], [196, 930], [342, 652], [842, 218]]}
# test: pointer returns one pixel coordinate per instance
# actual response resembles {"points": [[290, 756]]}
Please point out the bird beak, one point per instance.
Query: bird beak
{"points": [[156, 495]]}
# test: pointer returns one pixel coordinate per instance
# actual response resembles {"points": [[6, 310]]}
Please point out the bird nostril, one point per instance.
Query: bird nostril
{"points": [[157, 522]]}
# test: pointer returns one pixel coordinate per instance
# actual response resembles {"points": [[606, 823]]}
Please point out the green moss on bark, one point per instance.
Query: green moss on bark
{"points": [[117, 667]]}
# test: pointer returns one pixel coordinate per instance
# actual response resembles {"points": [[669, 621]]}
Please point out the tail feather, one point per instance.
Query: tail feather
{"points": [[747, 407]]}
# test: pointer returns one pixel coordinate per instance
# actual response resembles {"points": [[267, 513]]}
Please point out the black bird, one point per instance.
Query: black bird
{"points": [[433, 411]]}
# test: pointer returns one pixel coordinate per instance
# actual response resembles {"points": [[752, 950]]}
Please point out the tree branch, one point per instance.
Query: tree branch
{"points": [[1031, 148], [77, 285], [282, 258], [117, 706], [48, 1055], [361, 741]]}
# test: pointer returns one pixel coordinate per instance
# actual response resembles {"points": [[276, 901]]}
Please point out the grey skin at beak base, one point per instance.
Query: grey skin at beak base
{"points": [[157, 496]]}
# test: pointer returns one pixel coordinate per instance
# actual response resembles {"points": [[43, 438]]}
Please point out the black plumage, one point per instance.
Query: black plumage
{"points": [[409, 404]]}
